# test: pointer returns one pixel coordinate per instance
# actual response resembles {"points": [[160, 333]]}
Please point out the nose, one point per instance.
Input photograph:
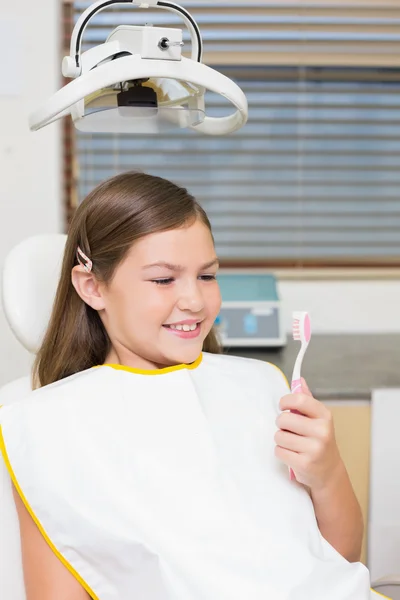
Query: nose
{"points": [[191, 298]]}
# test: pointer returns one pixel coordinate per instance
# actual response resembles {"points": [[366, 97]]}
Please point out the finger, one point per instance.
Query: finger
{"points": [[302, 426], [289, 458], [304, 387], [304, 404], [293, 442], [299, 462]]}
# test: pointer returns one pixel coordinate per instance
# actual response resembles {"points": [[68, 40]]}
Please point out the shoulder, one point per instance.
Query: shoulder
{"points": [[18, 400], [239, 367]]}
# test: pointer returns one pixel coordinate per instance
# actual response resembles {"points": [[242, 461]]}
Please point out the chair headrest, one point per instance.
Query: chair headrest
{"points": [[30, 277]]}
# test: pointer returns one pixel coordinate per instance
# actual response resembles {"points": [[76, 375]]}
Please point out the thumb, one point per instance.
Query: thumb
{"points": [[304, 387]]}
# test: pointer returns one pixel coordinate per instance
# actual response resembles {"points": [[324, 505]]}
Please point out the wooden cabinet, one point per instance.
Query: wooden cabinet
{"points": [[352, 420]]}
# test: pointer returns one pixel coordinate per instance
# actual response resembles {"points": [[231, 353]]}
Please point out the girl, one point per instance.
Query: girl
{"points": [[148, 466]]}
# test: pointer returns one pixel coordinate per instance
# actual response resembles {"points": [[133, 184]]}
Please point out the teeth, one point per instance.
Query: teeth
{"points": [[184, 327]]}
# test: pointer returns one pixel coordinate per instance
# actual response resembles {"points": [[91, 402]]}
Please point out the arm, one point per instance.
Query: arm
{"points": [[46, 578], [306, 443], [339, 514]]}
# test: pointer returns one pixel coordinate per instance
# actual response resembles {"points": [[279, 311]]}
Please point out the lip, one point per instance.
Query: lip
{"points": [[185, 335]]}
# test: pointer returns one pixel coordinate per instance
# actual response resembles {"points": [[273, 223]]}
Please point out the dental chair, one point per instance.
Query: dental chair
{"points": [[388, 586], [30, 276], [29, 281]]}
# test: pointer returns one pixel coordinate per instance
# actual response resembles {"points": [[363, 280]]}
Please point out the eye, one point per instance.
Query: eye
{"points": [[207, 277], [165, 281]]}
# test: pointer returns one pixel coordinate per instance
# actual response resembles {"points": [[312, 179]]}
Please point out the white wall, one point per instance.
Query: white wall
{"points": [[30, 167], [344, 306]]}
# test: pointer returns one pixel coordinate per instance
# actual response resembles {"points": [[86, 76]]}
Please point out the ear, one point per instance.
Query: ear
{"points": [[87, 287]]}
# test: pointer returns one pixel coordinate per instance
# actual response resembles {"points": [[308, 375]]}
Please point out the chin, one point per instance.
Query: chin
{"points": [[185, 356]]}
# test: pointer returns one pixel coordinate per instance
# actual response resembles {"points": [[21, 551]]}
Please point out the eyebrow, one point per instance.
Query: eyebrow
{"points": [[179, 268]]}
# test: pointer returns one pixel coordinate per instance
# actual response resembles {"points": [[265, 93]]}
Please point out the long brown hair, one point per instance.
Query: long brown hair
{"points": [[112, 217]]}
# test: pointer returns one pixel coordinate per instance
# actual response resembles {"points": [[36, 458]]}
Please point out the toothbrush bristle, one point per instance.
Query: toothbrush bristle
{"points": [[296, 334], [296, 326], [301, 326]]}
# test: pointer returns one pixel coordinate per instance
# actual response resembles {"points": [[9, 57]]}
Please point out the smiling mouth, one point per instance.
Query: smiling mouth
{"points": [[185, 327]]}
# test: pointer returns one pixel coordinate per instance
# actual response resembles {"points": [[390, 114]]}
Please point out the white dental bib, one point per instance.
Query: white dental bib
{"points": [[163, 485]]}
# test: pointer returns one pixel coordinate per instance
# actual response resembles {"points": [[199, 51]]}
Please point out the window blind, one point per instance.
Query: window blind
{"points": [[314, 176], [335, 32]]}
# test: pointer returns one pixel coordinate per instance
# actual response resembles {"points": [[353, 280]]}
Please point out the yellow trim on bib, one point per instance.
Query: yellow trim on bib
{"points": [[190, 366], [381, 595], [66, 564], [281, 372]]}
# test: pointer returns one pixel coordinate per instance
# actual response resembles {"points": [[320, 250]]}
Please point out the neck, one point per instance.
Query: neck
{"points": [[129, 359]]}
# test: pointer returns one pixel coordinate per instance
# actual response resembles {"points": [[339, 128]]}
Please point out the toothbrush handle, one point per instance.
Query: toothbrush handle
{"points": [[296, 386], [295, 389]]}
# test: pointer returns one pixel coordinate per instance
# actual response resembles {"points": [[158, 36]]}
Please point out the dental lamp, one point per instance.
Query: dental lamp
{"points": [[139, 82]]}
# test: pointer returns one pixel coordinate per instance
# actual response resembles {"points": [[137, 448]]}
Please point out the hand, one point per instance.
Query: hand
{"points": [[306, 442]]}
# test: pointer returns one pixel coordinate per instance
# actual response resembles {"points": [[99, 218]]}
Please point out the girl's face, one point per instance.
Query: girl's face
{"points": [[163, 299]]}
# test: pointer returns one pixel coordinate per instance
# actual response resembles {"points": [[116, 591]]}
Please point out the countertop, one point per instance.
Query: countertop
{"points": [[339, 366]]}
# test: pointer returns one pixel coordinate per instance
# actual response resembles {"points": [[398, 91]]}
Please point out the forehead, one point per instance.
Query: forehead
{"points": [[179, 246]]}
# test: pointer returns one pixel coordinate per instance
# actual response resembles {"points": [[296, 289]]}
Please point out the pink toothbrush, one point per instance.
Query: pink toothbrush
{"points": [[301, 327]]}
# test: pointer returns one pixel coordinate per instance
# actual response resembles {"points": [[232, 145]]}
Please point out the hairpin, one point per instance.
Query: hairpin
{"points": [[87, 263]]}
